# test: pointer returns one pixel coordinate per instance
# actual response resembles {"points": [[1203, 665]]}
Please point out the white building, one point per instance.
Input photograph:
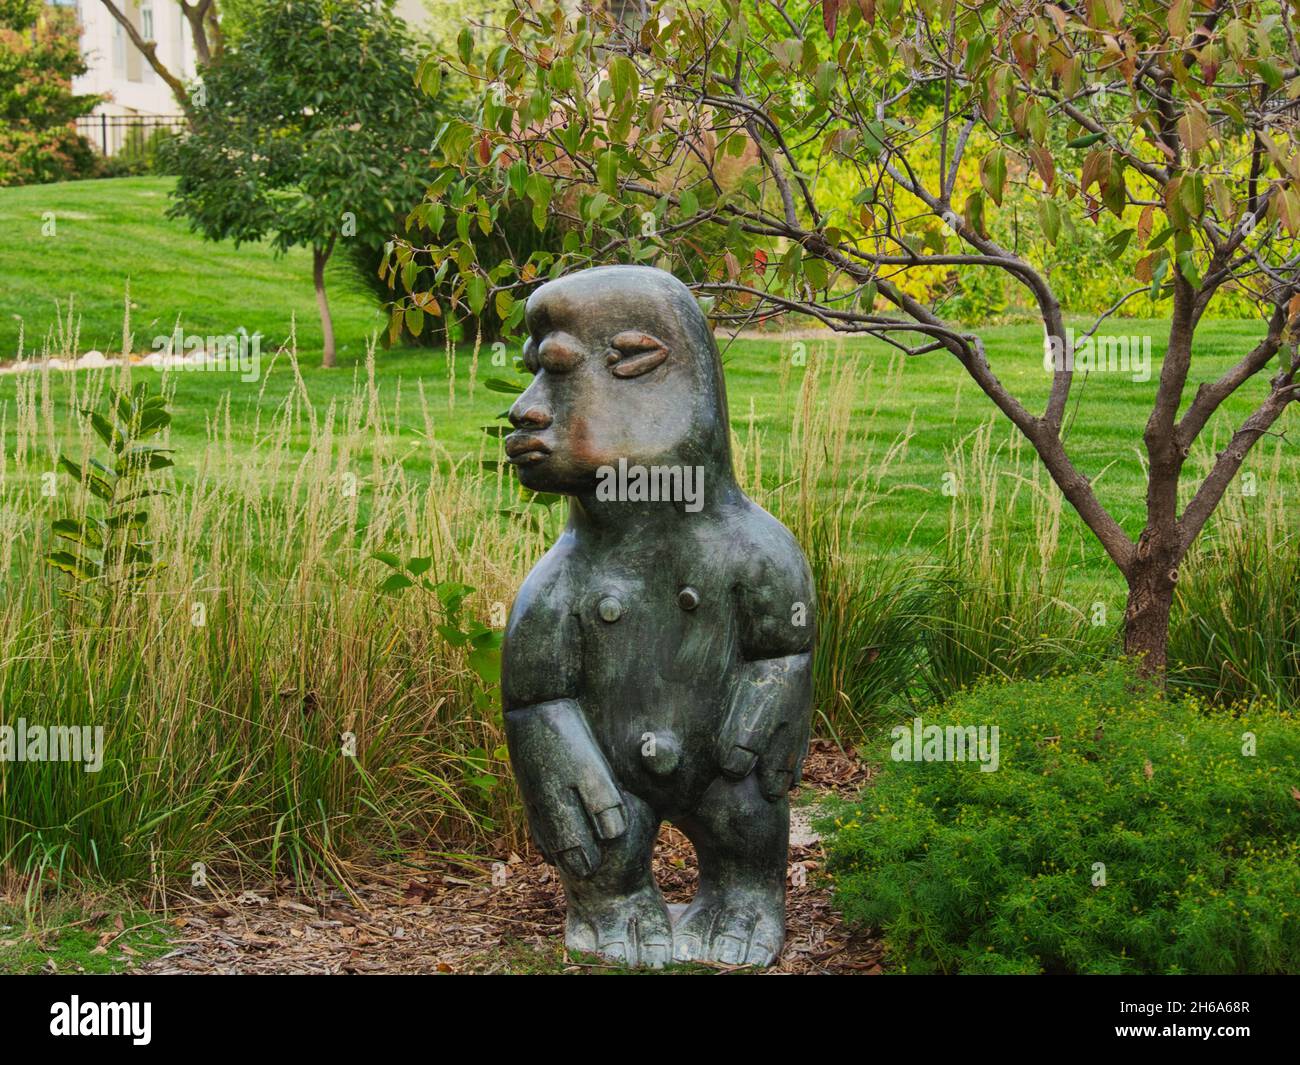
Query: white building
{"points": [[133, 93], [117, 71]]}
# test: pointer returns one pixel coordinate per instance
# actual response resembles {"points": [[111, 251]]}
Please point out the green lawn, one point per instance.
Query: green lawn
{"points": [[111, 232]]}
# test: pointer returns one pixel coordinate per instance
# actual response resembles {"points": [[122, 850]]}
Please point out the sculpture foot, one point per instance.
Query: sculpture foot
{"points": [[736, 931], [632, 929]]}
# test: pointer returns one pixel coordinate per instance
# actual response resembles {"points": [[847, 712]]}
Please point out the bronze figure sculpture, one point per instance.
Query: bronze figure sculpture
{"points": [[657, 660]]}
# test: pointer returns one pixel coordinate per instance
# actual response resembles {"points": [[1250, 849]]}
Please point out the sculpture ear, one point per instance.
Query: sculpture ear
{"points": [[635, 353]]}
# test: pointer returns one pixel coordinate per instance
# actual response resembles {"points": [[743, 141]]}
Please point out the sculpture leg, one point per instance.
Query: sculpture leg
{"points": [[742, 841], [618, 912]]}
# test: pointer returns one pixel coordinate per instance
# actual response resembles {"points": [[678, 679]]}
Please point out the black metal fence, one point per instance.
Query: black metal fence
{"points": [[129, 139]]}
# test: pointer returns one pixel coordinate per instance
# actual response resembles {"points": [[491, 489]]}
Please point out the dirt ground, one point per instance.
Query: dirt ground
{"points": [[510, 918]]}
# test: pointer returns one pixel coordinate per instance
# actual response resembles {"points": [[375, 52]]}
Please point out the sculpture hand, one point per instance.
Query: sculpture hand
{"points": [[767, 724], [572, 797]]}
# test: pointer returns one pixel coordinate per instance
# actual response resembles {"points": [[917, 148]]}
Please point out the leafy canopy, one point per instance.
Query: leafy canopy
{"points": [[851, 150], [308, 129]]}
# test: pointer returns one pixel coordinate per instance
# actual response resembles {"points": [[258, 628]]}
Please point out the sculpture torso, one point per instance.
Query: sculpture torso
{"points": [[646, 634]]}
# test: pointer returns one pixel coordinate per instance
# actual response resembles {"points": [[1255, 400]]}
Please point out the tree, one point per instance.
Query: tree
{"points": [[311, 133], [39, 57], [887, 142]]}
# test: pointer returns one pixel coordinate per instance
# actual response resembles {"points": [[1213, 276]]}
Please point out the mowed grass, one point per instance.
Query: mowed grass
{"points": [[88, 241], [111, 233]]}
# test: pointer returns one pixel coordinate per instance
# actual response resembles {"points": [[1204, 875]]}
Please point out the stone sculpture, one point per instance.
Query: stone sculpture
{"points": [[658, 660]]}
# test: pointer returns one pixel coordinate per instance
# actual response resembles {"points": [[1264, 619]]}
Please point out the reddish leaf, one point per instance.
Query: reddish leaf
{"points": [[830, 16]]}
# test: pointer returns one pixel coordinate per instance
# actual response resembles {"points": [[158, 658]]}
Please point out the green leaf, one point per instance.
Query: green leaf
{"points": [[607, 172], [129, 520], [476, 292], [1272, 77], [430, 77], [974, 212], [1187, 267], [624, 80], [486, 662], [104, 430], [70, 467], [152, 420], [1049, 217], [452, 635], [452, 595], [1086, 141], [1117, 243], [414, 320], [83, 569], [142, 457], [993, 174], [497, 384], [396, 582], [88, 533], [387, 558]]}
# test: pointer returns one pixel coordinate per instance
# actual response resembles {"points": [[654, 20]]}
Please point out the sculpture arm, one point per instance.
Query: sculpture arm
{"points": [[569, 791], [767, 723], [573, 801], [769, 713]]}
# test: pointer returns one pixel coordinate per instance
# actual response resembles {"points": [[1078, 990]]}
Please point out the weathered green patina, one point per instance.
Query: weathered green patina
{"points": [[657, 661]]}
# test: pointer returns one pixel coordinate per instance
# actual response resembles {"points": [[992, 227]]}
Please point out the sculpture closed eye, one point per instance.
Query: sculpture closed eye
{"points": [[635, 353]]}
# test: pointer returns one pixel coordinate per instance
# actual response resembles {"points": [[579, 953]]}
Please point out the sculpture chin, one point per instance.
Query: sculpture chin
{"points": [[543, 472], [532, 472]]}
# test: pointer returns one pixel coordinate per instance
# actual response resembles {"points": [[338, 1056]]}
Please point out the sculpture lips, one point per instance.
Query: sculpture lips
{"points": [[525, 450]]}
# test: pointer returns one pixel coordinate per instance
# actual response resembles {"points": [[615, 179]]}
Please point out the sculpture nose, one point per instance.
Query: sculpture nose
{"points": [[530, 417]]}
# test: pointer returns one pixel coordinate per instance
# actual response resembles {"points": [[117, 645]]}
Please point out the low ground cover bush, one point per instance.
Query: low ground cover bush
{"points": [[1122, 832]]}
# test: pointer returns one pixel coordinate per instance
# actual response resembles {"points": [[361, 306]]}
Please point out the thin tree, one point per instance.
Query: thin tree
{"points": [[312, 134]]}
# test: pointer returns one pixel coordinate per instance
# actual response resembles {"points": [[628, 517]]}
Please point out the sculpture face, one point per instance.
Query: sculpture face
{"points": [[624, 367]]}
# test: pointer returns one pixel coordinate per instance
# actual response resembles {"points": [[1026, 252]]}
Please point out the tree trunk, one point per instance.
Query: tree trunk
{"points": [[1151, 584], [319, 257]]}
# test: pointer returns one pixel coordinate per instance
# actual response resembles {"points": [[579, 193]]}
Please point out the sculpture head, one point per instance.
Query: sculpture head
{"points": [[624, 367]]}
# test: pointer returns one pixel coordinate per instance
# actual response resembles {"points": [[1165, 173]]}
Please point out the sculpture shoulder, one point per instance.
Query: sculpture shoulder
{"points": [[541, 656], [772, 584]]}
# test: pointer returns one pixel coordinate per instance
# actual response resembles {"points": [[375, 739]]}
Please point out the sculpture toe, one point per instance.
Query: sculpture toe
{"points": [[740, 934], [635, 930]]}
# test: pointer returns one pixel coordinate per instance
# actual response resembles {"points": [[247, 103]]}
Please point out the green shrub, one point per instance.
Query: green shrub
{"points": [[979, 872]]}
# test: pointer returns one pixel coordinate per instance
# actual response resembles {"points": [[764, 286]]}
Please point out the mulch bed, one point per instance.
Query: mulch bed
{"points": [[438, 919]]}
